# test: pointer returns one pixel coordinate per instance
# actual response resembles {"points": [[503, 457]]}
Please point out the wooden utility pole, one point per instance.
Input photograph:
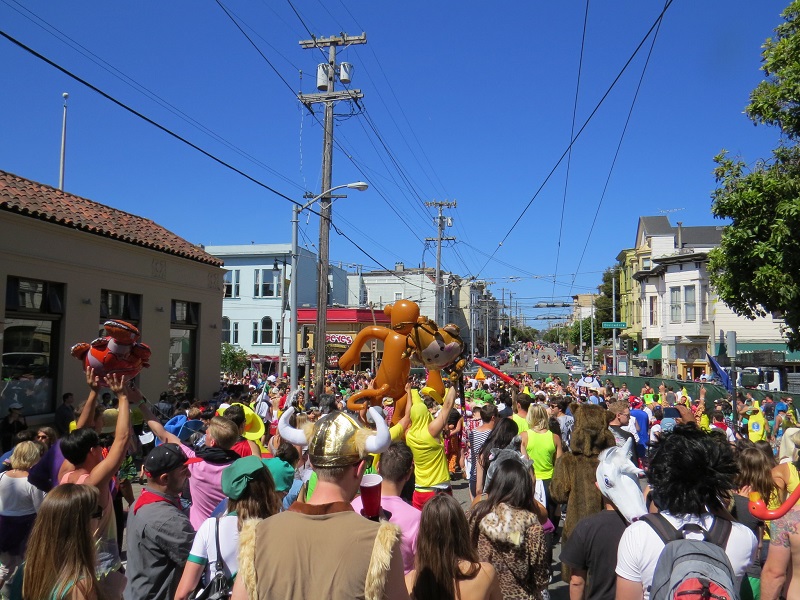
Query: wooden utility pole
{"points": [[327, 98], [441, 222]]}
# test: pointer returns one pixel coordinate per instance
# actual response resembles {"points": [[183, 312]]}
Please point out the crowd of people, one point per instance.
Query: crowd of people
{"points": [[260, 491]]}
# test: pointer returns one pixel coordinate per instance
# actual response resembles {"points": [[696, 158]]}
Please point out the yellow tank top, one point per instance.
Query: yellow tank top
{"points": [[541, 450], [430, 464], [522, 424]]}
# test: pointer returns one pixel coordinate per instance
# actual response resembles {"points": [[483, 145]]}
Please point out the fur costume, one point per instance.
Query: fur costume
{"points": [[574, 478]]}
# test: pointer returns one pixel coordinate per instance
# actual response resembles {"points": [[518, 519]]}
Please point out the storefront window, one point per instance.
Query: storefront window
{"points": [[182, 347], [31, 343]]}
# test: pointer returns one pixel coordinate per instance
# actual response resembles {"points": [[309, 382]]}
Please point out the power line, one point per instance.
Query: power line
{"points": [[577, 135], [145, 118], [571, 138], [184, 140], [619, 146], [129, 81], [249, 39]]}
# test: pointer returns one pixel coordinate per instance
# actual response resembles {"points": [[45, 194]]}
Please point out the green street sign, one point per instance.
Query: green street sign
{"points": [[614, 324]]}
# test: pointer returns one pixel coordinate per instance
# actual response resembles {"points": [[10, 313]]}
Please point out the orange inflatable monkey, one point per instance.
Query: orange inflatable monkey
{"points": [[392, 375]]}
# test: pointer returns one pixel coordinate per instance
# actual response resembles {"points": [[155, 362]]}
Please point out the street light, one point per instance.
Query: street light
{"points": [[322, 293], [279, 272]]}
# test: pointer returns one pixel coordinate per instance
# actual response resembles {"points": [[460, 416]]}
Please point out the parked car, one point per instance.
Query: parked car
{"points": [[577, 368]]}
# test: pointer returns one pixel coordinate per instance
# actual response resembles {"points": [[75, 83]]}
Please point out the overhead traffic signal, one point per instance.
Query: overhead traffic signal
{"points": [[635, 346]]}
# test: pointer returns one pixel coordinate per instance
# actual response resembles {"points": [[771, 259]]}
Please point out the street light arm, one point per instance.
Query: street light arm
{"points": [[358, 185]]}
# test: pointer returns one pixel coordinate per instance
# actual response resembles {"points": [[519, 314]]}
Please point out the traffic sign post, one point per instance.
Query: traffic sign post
{"points": [[615, 325]]}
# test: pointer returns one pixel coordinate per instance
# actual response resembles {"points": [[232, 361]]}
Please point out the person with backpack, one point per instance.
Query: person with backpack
{"points": [[687, 546]]}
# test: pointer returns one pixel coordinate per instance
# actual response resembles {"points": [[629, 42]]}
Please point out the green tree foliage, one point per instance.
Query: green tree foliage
{"points": [[756, 269], [233, 359], [553, 335], [603, 309], [575, 331], [525, 334]]}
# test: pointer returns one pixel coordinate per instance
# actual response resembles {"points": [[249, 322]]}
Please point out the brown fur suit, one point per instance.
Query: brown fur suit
{"points": [[574, 477]]}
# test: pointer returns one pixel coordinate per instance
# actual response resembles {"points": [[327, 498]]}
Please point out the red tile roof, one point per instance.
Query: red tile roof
{"points": [[39, 201]]}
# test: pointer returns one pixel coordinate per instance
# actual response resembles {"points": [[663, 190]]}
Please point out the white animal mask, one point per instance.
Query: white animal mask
{"points": [[618, 481]]}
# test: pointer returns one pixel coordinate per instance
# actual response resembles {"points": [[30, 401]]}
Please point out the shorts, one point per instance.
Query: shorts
{"points": [[420, 497]]}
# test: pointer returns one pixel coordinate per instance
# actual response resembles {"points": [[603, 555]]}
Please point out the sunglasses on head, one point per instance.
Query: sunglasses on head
{"points": [[98, 512]]}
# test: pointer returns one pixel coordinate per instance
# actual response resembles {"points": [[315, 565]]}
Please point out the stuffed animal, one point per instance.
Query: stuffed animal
{"points": [[575, 472], [392, 373], [437, 348], [120, 352]]}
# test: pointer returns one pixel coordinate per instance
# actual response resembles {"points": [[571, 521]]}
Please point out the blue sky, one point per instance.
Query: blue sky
{"points": [[473, 100]]}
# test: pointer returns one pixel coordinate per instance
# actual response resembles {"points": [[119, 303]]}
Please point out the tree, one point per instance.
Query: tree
{"points": [[756, 268], [525, 334], [603, 308], [233, 359]]}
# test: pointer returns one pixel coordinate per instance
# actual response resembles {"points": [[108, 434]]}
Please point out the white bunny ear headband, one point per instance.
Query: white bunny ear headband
{"points": [[618, 481]]}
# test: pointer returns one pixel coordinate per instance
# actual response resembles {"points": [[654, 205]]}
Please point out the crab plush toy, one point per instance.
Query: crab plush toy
{"points": [[120, 352]]}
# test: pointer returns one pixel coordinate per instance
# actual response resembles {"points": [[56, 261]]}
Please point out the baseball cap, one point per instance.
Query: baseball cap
{"points": [[164, 458]]}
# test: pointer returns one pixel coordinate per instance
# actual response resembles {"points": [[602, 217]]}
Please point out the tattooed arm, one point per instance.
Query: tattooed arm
{"points": [[773, 575]]}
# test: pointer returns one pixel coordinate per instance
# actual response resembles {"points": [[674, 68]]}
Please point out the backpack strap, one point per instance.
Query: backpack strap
{"points": [[719, 532], [666, 532]]}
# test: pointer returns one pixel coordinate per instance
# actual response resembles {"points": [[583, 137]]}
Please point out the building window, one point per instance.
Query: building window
{"points": [[704, 303], [231, 281], [31, 342], [226, 330], [262, 331], [674, 305], [690, 303], [120, 305], [234, 333], [646, 264], [184, 318], [398, 296], [266, 283], [653, 310]]}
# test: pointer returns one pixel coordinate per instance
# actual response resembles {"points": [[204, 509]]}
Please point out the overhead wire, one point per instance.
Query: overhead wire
{"points": [[571, 138], [129, 81], [182, 139], [578, 134], [616, 153]]}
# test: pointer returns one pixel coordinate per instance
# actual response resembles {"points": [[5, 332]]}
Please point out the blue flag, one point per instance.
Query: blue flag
{"points": [[721, 374]]}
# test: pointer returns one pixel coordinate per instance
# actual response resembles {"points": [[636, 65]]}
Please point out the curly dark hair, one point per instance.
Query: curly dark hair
{"points": [[691, 472]]}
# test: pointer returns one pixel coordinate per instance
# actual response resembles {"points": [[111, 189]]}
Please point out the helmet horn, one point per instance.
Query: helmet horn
{"points": [[289, 433], [375, 444]]}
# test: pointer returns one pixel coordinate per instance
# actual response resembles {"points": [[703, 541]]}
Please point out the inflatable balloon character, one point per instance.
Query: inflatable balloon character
{"points": [[618, 480], [759, 509], [120, 352], [392, 374], [437, 348]]}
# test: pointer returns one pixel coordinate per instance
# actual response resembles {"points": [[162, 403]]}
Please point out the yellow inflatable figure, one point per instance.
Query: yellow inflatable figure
{"points": [[437, 348]]}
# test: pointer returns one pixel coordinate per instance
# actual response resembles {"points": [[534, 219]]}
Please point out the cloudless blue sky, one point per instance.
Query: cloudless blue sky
{"points": [[473, 100]]}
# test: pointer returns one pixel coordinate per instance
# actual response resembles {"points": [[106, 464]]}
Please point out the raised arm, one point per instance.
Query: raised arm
{"points": [[87, 414], [108, 467], [156, 427], [437, 425]]}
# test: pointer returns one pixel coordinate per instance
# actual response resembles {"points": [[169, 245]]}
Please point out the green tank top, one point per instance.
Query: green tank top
{"points": [[542, 451]]}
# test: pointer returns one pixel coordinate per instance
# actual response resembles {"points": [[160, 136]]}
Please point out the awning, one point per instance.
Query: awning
{"points": [[653, 354]]}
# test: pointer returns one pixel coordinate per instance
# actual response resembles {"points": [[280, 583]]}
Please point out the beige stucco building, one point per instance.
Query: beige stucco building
{"points": [[67, 264]]}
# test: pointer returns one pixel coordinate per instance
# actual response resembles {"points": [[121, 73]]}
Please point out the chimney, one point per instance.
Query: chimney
{"points": [[680, 235], [398, 266]]}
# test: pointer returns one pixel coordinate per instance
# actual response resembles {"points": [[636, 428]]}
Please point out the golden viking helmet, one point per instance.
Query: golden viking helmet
{"points": [[337, 439]]}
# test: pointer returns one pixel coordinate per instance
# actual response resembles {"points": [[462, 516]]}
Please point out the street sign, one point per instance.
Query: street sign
{"points": [[614, 325]]}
